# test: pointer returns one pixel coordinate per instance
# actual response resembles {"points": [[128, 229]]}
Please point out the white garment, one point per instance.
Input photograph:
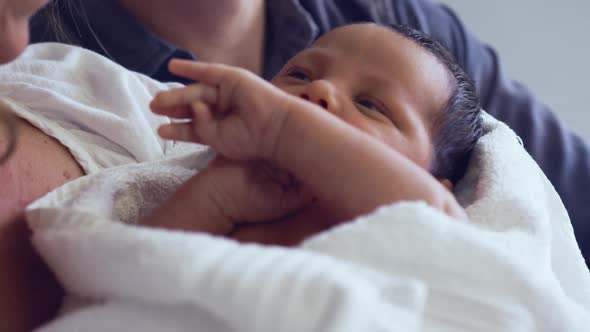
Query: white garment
{"points": [[406, 267], [94, 107]]}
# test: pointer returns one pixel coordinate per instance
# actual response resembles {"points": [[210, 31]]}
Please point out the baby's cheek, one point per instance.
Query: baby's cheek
{"points": [[422, 156], [421, 149], [288, 88], [419, 152]]}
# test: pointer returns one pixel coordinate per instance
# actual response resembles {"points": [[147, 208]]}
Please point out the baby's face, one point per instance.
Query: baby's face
{"points": [[376, 80]]}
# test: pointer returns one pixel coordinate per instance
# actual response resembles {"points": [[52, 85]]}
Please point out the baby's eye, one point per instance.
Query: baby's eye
{"points": [[368, 104], [298, 74]]}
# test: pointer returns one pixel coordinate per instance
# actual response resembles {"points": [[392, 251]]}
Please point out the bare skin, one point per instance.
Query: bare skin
{"points": [[29, 294], [14, 26], [223, 31]]}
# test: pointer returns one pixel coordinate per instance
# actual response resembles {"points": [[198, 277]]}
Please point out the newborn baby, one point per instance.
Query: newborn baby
{"points": [[367, 116]]}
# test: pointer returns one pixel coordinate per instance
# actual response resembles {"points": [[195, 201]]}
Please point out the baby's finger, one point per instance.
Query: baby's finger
{"points": [[201, 114], [202, 121], [184, 111], [208, 73], [182, 131], [185, 96], [178, 112]]}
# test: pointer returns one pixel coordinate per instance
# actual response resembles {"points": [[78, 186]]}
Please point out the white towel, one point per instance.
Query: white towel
{"points": [[406, 267]]}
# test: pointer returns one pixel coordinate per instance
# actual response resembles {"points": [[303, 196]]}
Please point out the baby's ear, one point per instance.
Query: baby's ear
{"points": [[447, 184]]}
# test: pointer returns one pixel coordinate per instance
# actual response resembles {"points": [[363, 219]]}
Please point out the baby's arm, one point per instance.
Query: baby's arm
{"points": [[349, 170], [193, 207], [227, 193], [243, 117]]}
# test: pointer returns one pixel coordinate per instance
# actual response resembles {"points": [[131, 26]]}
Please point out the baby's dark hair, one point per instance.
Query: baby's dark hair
{"points": [[458, 126]]}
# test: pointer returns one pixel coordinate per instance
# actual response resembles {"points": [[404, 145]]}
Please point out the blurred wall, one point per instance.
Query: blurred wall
{"points": [[544, 44]]}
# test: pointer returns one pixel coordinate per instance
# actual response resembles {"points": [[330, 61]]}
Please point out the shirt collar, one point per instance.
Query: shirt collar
{"points": [[290, 28], [126, 40]]}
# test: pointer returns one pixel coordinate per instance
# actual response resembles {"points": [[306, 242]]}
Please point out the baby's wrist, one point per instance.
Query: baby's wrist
{"points": [[210, 206], [273, 140], [191, 208]]}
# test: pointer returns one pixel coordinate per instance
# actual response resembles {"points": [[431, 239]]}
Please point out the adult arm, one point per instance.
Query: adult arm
{"points": [[562, 155], [29, 293]]}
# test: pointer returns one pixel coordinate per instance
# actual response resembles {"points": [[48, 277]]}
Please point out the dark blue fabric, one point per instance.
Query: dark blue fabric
{"points": [[102, 26]]}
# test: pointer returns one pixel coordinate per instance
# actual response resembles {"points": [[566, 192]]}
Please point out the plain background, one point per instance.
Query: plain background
{"points": [[544, 44]]}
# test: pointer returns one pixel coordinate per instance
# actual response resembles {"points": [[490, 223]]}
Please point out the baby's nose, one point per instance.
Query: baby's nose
{"points": [[322, 93], [322, 102]]}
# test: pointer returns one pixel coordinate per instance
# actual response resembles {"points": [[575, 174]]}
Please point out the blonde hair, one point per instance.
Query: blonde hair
{"points": [[8, 121]]}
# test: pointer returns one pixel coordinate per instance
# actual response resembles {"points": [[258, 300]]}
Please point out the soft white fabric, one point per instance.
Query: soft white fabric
{"points": [[406, 267], [94, 107]]}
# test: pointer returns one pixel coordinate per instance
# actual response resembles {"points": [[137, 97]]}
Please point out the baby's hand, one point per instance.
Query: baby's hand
{"points": [[252, 191], [227, 193], [236, 112]]}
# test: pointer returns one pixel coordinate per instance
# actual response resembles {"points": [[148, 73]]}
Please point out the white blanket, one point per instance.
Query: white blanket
{"points": [[405, 267]]}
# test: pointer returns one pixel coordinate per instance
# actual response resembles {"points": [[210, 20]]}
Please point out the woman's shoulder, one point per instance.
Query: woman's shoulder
{"points": [[38, 165]]}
